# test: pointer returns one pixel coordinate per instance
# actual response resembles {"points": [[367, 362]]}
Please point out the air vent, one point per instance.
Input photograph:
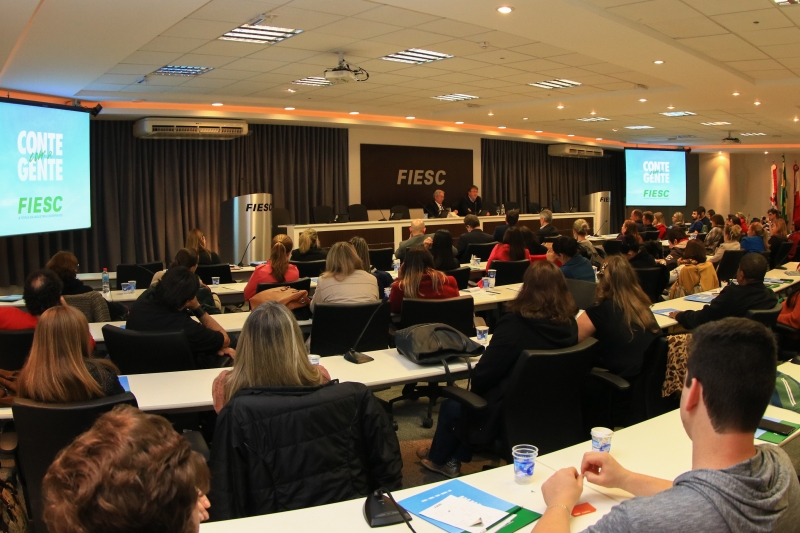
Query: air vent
{"points": [[179, 128]]}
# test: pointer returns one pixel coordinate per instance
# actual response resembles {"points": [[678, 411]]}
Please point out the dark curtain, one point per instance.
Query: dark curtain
{"points": [[523, 172], [147, 194]]}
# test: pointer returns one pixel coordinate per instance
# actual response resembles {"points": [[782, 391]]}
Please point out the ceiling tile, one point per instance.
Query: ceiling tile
{"points": [[319, 42], [346, 8], [759, 64], [655, 11], [229, 74], [242, 88], [411, 39], [424, 83], [740, 53], [778, 36], [180, 45], [619, 86], [501, 39], [422, 71], [455, 77], [540, 50], [693, 27], [715, 42], [199, 29], [570, 73], [778, 74], [229, 48], [605, 68], [493, 71], [138, 70], [358, 29], [491, 83], [236, 11], [459, 64], [459, 47], [499, 56], [274, 78], [372, 49], [203, 60], [396, 16], [295, 70], [255, 65], [536, 65], [392, 89], [153, 58], [790, 62], [282, 53], [379, 65], [183, 89], [118, 79], [302, 19], [779, 51], [103, 87], [451, 28], [138, 89], [209, 83], [575, 60], [767, 19], [160, 79]]}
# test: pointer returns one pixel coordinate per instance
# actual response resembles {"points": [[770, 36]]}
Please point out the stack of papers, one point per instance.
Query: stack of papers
{"points": [[702, 297], [464, 514]]}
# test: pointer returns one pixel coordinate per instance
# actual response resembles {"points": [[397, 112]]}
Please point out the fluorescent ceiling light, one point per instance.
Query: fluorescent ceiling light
{"points": [[501, 127], [555, 84], [658, 62], [289, 108], [642, 99], [314, 81], [410, 118], [454, 97], [751, 134], [678, 114], [254, 33], [354, 112], [416, 56], [571, 135], [715, 123], [460, 122], [639, 127], [182, 70], [217, 104], [780, 3], [593, 119]]}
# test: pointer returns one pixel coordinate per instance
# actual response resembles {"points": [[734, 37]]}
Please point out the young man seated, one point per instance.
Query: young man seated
{"points": [[42, 291], [733, 485]]}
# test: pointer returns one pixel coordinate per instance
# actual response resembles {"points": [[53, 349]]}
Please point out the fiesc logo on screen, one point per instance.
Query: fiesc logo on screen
{"points": [[40, 204], [39, 149], [421, 177]]}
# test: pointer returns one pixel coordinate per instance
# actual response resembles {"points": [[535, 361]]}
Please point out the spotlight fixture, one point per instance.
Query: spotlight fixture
{"points": [[670, 107], [410, 118], [289, 108], [491, 114], [756, 103], [598, 139], [291, 90], [538, 131], [570, 135], [217, 104], [735, 94], [560, 106], [505, 10], [354, 112], [592, 113], [658, 62], [96, 110], [526, 118], [501, 127], [765, 153], [460, 122], [642, 99], [795, 119]]}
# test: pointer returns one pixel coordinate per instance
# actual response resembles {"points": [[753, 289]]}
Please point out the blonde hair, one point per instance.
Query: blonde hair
{"points": [[342, 261], [758, 230], [271, 352], [734, 233], [678, 215], [279, 258], [580, 227], [194, 241], [620, 284], [659, 217], [308, 240], [779, 228]]}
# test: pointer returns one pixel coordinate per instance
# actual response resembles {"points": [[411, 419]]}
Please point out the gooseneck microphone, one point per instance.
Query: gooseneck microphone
{"points": [[245, 250], [597, 233], [352, 355], [384, 216]]}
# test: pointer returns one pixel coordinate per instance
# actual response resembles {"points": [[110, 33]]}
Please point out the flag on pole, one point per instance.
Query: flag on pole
{"points": [[783, 187], [774, 198], [796, 214]]}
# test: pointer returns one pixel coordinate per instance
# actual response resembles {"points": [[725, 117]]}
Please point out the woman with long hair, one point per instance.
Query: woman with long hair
{"points": [[512, 249], [531, 241], [715, 235], [731, 234], [384, 279], [270, 353], [693, 274], [419, 279], [308, 248], [778, 235], [756, 239], [277, 269], [344, 281], [59, 368], [658, 216], [442, 251], [541, 317], [621, 319], [65, 265], [196, 240], [677, 221], [629, 229]]}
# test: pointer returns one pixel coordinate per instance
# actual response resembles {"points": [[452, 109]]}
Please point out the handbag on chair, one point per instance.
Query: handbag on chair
{"points": [[435, 343], [291, 298]]}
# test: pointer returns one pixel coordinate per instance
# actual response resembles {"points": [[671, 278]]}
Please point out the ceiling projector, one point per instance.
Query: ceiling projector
{"points": [[345, 73]]}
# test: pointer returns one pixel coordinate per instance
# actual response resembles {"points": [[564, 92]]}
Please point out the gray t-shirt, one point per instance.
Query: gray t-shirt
{"points": [[758, 495], [358, 287]]}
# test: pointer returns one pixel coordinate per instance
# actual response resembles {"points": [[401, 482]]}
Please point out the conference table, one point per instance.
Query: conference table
{"points": [[95, 279]]}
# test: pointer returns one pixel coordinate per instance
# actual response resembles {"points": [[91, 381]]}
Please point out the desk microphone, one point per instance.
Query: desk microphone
{"points": [[352, 355], [245, 251], [384, 216], [597, 233]]}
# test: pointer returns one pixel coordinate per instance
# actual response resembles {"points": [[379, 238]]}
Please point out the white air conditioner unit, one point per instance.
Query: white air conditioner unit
{"points": [[574, 150], [189, 128]]}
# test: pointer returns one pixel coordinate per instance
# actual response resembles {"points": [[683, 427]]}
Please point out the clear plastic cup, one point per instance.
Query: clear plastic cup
{"points": [[215, 280], [486, 282], [601, 439], [492, 277], [524, 462], [387, 291], [313, 359], [126, 287], [133, 284], [482, 334]]}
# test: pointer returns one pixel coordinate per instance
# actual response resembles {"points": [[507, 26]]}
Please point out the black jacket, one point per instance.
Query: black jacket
{"points": [[500, 231], [547, 231], [432, 209], [468, 207], [476, 236], [75, 286], [282, 448], [733, 301]]}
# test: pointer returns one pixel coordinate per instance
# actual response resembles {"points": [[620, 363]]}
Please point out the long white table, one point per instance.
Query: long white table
{"points": [[95, 279]]}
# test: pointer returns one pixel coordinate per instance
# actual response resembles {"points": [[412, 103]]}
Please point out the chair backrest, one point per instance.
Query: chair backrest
{"points": [[402, 209], [155, 266], [302, 284], [456, 312], [280, 217], [141, 275], [482, 250], [510, 272], [336, 327], [612, 247], [16, 345], [583, 292], [358, 213], [45, 429], [653, 281], [381, 258], [782, 256], [511, 205], [646, 399], [489, 207], [542, 405], [322, 214], [462, 276], [206, 272], [650, 235], [309, 269], [766, 256], [148, 352], [551, 238], [768, 317], [91, 304], [557, 206], [701, 237], [729, 264], [534, 208]]}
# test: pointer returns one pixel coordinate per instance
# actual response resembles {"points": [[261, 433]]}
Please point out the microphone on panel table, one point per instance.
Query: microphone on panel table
{"points": [[598, 233], [352, 355], [384, 216], [245, 251]]}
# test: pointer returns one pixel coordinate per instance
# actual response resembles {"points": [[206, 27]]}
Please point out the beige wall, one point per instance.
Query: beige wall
{"points": [[715, 182], [751, 181]]}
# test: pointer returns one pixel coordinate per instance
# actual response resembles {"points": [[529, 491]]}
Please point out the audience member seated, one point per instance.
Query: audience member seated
{"points": [[59, 368], [629, 229], [637, 254], [42, 290], [715, 236], [777, 236], [678, 240], [512, 248], [344, 281], [573, 264], [580, 229], [659, 224], [620, 320], [384, 279], [473, 235], [647, 222], [443, 251], [196, 241], [742, 221], [541, 317], [546, 228], [677, 221], [418, 279], [512, 217], [417, 238], [65, 265], [693, 274], [731, 234], [733, 485], [532, 243], [700, 222], [287, 437], [636, 218], [170, 306], [130, 472], [790, 312], [749, 292], [188, 259], [756, 239], [795, 238], [277, 269], [308, 248]]}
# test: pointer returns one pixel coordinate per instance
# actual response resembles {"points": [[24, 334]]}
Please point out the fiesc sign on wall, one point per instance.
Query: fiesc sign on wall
{"points": [[408, 175]]}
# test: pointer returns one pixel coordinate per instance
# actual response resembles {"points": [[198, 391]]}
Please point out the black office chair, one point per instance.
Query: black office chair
{"points": [[462, 276], [381, 258], [510, 272], [358, 213], [511, 205], [653, 281], [206, 272], [336, 328], [768, 317], [44, 430], [148, 352], [302, 284], [729, 264], [534, 208], [481, 250], [155, 266], [280, 217], [309, 269], [557, 206], [322, 214], [16, 345], [782, 255], [612, 247], [650, 235], [701, 237], [583, 292], [402, 210], [551, 238], [489, 208], [766, 256], [142, 276]]}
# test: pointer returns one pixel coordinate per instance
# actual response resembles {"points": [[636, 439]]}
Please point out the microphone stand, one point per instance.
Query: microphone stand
{"points": [[245, 251]]}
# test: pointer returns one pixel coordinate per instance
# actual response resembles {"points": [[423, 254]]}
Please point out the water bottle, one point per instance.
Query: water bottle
{"points": [[106, 286], [502, 209]]}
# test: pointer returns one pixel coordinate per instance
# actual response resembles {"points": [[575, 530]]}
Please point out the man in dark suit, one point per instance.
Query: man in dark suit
{"points": [[512, 217], [546, 229], [636, 216], [648, 219], [470, 204], [436, 208], [474, 235]]}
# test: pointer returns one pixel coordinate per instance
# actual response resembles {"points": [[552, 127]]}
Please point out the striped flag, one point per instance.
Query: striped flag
{"points": [[783, 187]]}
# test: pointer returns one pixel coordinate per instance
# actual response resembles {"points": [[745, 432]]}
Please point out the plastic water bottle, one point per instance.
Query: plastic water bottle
{"points": [[106, 285], [502, 209]]}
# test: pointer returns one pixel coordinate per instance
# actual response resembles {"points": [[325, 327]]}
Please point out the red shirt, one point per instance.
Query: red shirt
{"points": [[501, 253], [12, 318], [448, 290], [662, 230], [263, 274]]}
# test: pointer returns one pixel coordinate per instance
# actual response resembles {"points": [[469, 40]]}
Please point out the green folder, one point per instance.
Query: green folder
{"points": [[775, 438]]}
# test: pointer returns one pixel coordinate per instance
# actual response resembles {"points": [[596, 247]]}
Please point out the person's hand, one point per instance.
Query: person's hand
{"points": [[202, 505], [563, 488], [551, 255], [193, 304], [427, 242], [227, 351], [673, 314], [602, 469]]}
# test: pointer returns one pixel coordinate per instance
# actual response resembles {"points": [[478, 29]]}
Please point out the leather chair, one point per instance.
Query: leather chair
{"points": [[141, 275], [405, 214], [534, 208], [302, 284], [155, 266], [653, 281], [583, 292], [358, 213], [146, 352], [768, 317], [16, 345], [462, 276], [511, 205], [309, 269], [381, 258], [510, 272], [612, 247], [782, 255], [650, 235], [729, 264], [206, 272], [322, 214], [336, 328], [482, 250]]}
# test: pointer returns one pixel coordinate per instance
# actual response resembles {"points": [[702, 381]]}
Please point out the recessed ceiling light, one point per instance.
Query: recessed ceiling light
{"points": [[756, 103], [410, 118], [560, 106], [598, 139], [182, 70], [753, 134], [289, 108], [314, 81], [491, 114], [592, 113], [291, 90], [786, 2], [642, 99], [526, 118], [501, 127], [613, 129], [254, 33], [678, 114], [658, 62], [416, 56], [455, 97], [639, 127], [459, 122], [555, 84], [354, 112], [735, 94], [795, 119], [570, 135], [593, 119], [505, 10], [715, 123], [765, 153], [217, 104], [670, 107], [538, 131]]}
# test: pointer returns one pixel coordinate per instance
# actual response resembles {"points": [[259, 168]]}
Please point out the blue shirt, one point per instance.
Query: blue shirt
{"points": [[752, 243], [578, 268], [696, 226]]}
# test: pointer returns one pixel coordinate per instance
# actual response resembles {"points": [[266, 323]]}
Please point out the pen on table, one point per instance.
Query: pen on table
{"points": [[492, 292]]}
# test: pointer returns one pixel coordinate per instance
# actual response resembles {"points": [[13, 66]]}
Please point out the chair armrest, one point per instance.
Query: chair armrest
{"points": [[478, 321], [613, 379], [464, 397], [783, 329]]}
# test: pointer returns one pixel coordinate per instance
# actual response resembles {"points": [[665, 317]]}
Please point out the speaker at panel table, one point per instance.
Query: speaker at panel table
{"points": [[655, 177], [44, 168]]}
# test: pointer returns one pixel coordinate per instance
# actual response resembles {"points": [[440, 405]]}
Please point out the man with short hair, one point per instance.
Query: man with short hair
{"points": [[636, 216], [700, 221], [772, 217], [473, 235], [546, 228], [512, 217], [42, 290], [436, 209], [749, 292], [471, 204], [733, 485], [573, 265], [417, 238], [648, 218], [170, 306]]}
